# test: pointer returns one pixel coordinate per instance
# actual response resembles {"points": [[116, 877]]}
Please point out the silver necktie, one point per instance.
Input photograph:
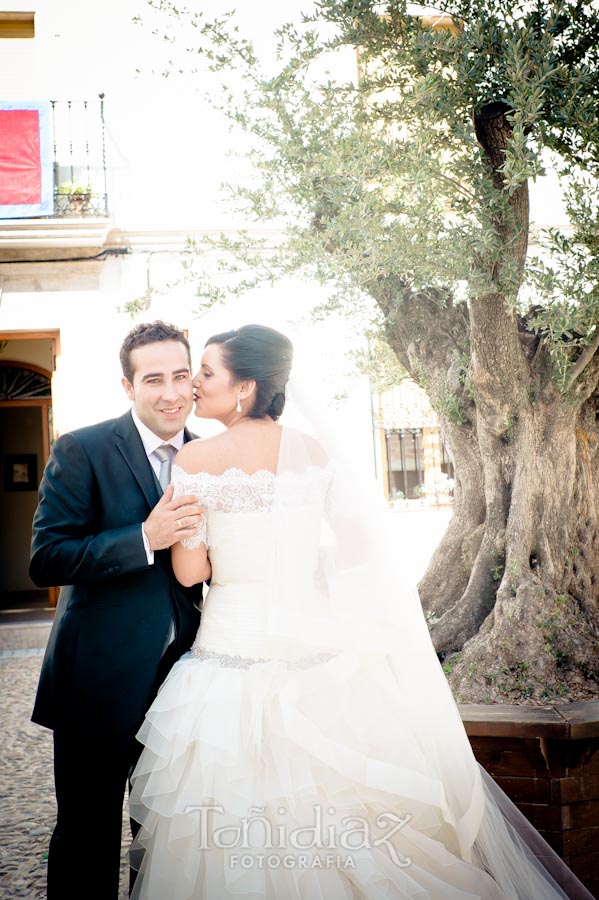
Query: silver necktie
{"points": [[165, 454]]}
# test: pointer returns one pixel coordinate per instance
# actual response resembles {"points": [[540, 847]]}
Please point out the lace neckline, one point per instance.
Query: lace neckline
{"points": [[234, 471], [237, 491]]}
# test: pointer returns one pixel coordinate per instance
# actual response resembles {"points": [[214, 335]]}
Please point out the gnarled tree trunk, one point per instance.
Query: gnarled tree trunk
{"points": [[512, 591], [541, 636]]}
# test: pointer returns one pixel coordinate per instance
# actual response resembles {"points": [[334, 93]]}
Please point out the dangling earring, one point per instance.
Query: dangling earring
{"points": [[238, 407]]}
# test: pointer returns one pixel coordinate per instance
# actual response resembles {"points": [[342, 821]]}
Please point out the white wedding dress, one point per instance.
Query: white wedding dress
{"points": [[271, 771]]}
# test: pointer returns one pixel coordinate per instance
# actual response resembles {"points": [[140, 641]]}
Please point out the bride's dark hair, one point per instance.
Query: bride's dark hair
{"points": [[261, 354]]}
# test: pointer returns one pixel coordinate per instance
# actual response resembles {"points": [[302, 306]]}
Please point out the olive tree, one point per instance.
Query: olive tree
{"points": [[406, 188]]}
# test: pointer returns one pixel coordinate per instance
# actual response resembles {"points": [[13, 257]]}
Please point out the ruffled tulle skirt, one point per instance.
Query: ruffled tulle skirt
{"points": [[310, 781]]}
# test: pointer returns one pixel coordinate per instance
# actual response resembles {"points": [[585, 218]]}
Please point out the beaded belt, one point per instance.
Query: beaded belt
{"points": [[244, 662]]}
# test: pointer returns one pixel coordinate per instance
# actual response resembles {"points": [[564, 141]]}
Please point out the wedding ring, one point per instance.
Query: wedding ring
{"points": [[179, 526]]}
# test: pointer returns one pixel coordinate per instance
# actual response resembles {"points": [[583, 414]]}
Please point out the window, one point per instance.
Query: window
{"points": [[404, 455], [416, 459], [17, 25]]}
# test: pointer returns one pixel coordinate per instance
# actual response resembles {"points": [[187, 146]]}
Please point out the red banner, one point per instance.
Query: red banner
{"points": [[20, 162], [26, 183]]}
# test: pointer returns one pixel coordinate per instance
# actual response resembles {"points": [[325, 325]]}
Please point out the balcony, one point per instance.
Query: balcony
{"points": [[79, 158], [80, 215]]}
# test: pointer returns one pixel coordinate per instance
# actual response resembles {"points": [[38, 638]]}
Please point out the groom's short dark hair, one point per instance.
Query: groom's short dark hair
{"points": [[149, 333]]}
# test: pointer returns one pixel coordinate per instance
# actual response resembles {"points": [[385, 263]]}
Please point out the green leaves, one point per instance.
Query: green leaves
{"points": [[382, 184]]}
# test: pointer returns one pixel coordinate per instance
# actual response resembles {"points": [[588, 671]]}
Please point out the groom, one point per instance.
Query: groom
{"points": [[103, 528]]}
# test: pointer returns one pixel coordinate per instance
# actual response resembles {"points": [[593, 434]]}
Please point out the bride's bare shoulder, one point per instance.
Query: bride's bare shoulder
{"points": [[202, 454]]}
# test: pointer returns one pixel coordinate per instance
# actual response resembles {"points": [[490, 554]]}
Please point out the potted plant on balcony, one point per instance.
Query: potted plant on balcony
{"points": [[74, 198]]}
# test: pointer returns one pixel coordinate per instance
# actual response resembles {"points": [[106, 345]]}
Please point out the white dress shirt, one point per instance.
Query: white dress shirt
{"points": [[151, 442]]}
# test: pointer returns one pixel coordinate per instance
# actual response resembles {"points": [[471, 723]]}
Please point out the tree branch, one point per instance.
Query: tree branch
{"points": [[584, 359]]}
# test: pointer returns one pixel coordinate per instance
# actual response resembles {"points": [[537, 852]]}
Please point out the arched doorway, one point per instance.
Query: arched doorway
{"points": [[25, 439]]}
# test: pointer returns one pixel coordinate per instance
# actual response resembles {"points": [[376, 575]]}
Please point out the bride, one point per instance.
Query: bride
{"points": [[309, 745]]}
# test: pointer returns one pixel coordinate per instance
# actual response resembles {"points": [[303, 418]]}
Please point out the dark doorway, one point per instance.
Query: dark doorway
{"points": [[25, 410]]}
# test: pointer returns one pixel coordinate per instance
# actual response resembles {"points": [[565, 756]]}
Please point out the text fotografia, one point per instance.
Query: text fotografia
{"points": [[259, 831], [290, 861]]}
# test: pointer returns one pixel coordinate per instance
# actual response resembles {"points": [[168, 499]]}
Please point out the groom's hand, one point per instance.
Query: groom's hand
{"points": [[171, 520]]}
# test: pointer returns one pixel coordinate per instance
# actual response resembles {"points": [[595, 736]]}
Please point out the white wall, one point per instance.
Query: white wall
{"points": [[167, 148], [167, 156]]}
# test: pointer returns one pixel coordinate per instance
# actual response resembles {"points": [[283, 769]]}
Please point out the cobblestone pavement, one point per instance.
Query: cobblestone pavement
{"points": [[26, 784]]}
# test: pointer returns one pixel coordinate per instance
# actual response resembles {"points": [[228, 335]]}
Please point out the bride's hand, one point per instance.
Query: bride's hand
{"points": [[171, 520]]}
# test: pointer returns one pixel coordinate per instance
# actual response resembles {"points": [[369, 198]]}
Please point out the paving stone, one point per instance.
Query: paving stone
{"points": [[26, 785]]}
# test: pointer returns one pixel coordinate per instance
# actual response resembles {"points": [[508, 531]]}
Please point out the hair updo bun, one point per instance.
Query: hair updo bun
{"points": [[261, 354], [277, 406]]}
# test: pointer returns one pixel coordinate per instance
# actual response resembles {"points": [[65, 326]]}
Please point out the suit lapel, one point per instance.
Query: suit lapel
{"points": [[129, 444]]}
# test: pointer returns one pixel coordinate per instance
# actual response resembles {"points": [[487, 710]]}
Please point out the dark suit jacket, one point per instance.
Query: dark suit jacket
{"points": [[115, 610]]}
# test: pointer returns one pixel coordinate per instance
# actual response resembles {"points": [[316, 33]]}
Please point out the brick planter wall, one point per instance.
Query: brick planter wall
{"points": [[547, 761]]}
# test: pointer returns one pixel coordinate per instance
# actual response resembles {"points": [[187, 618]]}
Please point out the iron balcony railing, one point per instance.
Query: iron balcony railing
{"points": [[79, 158]]}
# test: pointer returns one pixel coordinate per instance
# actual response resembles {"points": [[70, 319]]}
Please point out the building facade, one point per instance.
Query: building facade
{"points": [[416, 466], [98, 201]]}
